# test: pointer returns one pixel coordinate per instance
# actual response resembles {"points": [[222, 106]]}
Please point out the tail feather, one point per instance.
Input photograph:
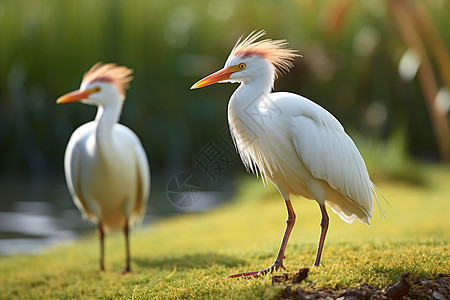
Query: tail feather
{"points": [[348, 210], [376, 192]]}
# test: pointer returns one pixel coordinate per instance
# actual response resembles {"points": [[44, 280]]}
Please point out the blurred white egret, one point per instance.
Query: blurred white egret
{"points": [[106, 167], [290, 140]]}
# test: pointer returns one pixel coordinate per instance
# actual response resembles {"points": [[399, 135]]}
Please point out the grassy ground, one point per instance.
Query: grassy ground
{"points": [[188, 256]]}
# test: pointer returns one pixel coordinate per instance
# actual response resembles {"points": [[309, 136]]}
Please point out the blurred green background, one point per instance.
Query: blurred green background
{"points": [[357, 62]]}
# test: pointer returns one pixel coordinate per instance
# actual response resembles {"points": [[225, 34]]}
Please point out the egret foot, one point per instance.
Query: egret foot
{"points": [[254, 274], [126, 270], [278, 264]]}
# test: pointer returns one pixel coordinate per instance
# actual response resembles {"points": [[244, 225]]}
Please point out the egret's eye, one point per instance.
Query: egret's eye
{"points": [[96, 89], [241, 66]]}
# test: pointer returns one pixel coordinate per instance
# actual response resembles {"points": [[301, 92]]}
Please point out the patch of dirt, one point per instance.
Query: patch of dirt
{"points": [[406, 288], [298, 277], [436, 288]]}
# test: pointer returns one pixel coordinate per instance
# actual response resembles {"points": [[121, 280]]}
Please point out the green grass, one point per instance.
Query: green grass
{"points": [[188, 256]]}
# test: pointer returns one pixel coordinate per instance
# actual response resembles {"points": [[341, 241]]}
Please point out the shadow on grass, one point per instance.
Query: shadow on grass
{"points": [[189, 261]]}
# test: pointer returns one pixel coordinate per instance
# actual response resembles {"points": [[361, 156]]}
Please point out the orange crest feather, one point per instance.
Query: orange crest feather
{"points": [[274, 51], [120, 76]]}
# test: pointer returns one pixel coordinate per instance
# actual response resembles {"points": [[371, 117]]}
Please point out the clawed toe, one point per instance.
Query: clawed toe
{"points": [[256, 274]]}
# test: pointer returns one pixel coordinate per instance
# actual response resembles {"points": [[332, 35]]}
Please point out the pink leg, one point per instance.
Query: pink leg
{"points": [[323, 232], [278, 263]]}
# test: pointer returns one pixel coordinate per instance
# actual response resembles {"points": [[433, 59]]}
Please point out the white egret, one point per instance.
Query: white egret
{"points": [[106, 167], [291, 141]]}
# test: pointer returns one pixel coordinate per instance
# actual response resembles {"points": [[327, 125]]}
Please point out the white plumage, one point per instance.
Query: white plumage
{"points": [[106, 167], [108, 185], [290, 140], [320, 155]]}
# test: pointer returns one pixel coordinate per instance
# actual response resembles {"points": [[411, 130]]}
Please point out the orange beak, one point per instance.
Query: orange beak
{"points": [[218, 76], [76, 96]]}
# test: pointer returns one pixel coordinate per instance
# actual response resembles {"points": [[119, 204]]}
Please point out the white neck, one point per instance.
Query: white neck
{"points": [[107, 116], [247, 97], [244, 117]]}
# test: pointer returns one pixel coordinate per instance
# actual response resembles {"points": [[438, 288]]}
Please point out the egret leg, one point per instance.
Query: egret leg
{"points": [[278, 263], [127, 268], [101, 236], [323, 232]]}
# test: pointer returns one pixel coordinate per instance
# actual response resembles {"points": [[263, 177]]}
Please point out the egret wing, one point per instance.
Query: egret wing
{"points": [[330, 154], [142, 182], [73, 167]]}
